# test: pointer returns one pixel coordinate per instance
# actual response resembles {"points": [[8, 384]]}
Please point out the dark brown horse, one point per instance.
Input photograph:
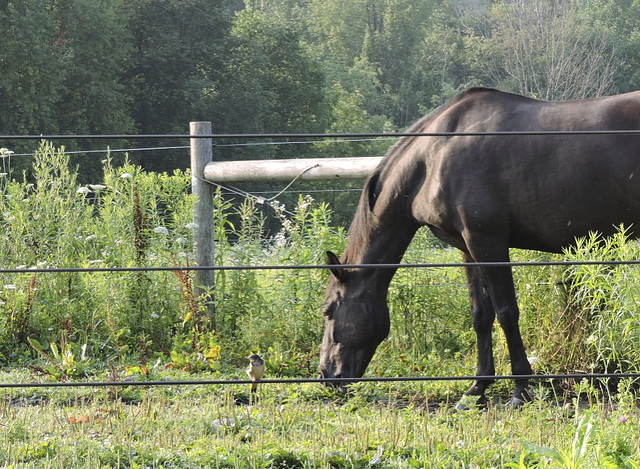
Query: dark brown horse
{"points": [[483, 195]]}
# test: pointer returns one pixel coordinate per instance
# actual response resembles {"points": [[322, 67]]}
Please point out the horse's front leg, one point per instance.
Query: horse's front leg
{"points": [[483, 319]]}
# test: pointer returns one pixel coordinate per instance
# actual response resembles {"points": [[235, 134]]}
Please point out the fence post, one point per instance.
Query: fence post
{"points": [[203, 239]]}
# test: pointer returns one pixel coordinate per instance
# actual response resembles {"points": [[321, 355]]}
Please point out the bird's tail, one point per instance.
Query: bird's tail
{"points": [[254, 386]]}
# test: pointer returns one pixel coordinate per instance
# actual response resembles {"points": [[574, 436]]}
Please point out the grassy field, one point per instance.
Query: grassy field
{"points": [[390, 425]]}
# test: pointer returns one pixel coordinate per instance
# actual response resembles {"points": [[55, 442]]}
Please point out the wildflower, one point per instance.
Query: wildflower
{"points": [[83, 190], [5, 153], [622, 419], [9, 287], [2, 175], [191, 226], [97, 187], [161, 230], [181, 241], [154, 316], [126, 176]]}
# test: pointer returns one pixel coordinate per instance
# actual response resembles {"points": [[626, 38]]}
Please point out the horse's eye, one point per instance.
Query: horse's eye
{"points": [[328, 309]]}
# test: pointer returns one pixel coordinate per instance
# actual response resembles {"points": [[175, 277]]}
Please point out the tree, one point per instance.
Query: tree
{"points": [[619, 22], [94, 98], [61, 64], [179, 52], [271, 83], [383, 36], [179, 48], [29, 74], [544, 49]]}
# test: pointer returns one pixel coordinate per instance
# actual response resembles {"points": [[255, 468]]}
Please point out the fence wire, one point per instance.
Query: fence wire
{"points": [[261, 136], [290, 381], [312, 266]]}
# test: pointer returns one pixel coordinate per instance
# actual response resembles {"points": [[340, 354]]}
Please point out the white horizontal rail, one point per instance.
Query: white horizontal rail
{"points": [[286, 170]]}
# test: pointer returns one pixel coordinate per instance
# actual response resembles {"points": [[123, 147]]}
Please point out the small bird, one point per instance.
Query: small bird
{"points": [[256, 370]]}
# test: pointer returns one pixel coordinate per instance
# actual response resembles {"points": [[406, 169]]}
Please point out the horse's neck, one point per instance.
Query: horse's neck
{"points": [[384, 245]]}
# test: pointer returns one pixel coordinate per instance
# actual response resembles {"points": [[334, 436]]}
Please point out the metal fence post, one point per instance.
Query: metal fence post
{"points": [[203, 240]]}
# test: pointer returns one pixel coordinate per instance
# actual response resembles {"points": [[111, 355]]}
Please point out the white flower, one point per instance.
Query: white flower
{"points": [[3, 175], [9, 287], [191, 226], [83, 190], [91, 237], [161, 230], [126, 176], [154, 316], [5, 152], [181, 241], [97, 187]]}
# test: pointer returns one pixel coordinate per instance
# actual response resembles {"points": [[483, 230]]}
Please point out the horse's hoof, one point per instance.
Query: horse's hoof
{"points": [[469, 402], [515, 403], [460, 407]]}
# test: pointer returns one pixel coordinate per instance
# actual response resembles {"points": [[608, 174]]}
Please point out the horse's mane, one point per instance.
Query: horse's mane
{"points": [[361, 226]]}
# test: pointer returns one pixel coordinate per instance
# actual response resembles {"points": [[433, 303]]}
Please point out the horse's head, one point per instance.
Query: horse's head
{"points": [[356, 321]]}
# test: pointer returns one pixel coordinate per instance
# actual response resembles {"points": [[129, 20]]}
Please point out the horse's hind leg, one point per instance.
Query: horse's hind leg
{"points": [[483, 319], [499, 282]]}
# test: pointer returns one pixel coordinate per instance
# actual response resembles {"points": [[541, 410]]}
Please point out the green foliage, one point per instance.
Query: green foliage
{"points": [[608, 297], [128, 219], [275, 309]]}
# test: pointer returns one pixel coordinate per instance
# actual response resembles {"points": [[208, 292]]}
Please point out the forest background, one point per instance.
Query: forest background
{"points": [[152, 66]]}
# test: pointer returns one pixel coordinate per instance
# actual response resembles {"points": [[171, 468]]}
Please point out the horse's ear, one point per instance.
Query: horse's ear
{"points": [[338, 272]]}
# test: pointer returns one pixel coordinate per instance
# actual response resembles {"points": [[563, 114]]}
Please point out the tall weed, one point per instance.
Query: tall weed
{"points": [[583, 318]]}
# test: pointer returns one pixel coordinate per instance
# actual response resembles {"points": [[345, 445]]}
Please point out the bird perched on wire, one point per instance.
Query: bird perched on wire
{"points": [[256, 370]]}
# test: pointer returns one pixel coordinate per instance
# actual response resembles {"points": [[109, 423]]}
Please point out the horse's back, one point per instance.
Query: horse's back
{"points": [[534, 191]]}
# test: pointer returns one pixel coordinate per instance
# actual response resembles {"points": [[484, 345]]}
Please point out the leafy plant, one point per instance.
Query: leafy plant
{"points": [[575, 456]]}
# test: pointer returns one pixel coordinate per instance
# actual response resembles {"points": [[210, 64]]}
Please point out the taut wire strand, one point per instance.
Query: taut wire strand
{"points": [[314, 266], [632, 132], [373, 379]]}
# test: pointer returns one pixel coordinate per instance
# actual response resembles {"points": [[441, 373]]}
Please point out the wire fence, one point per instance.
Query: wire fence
{"points": [[291, 381], [316, 266], [324, 138], [350, 135]]}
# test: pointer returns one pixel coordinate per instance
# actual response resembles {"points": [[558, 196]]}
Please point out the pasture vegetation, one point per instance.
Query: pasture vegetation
{"points": [[134, 326]]}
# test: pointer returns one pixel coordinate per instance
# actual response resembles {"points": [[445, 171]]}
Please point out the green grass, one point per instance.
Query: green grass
{"points": [[391, 425]]}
